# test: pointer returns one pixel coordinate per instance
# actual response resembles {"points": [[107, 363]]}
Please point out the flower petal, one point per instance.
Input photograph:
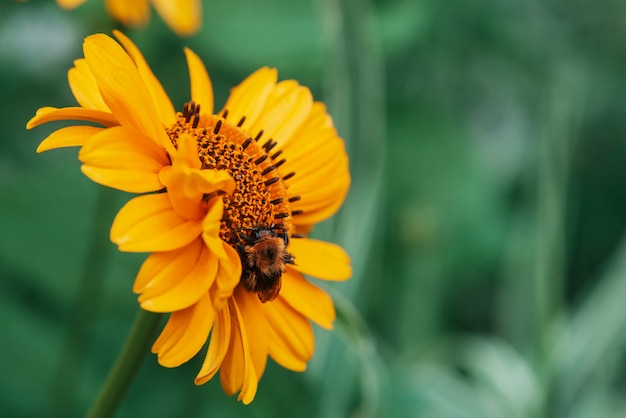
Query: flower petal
{"points": [[51, 114], [84, 87], [124, 159], [162, 102], [164, 271], [248, 98], [218, 347], [125, 180], [286, 108], [289, 335], [123, 89], [196, 321], [228, 276], [320, 259], [317, 155], [148, 224], [211, 225], [188, 184], [251, 310], [70, 4], [201, 87], [71, 136], [237, 373], [174, 290], [130, 13], [319, 200], [307, 299], [183, 16], [161, 267]]}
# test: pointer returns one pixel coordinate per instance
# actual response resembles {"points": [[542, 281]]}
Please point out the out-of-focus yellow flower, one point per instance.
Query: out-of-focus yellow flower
{"points": [[183, 16], [228, 200]]}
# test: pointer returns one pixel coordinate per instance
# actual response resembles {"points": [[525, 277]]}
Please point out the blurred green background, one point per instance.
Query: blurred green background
{"points": [[486, 218]]}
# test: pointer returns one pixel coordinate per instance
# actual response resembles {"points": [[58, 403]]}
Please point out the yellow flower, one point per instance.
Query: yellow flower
{"points": [[183, 16], [228, 199]]}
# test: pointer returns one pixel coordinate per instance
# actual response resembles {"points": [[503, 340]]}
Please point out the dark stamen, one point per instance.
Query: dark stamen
{"points": [[191, 110], [271, 181], [259, 135], [297, 235], [196, 120], [269, 141], [241, 121], [288, 176], [281, 162], [276, 154], [260, 159], [225, 113], [281, 215], [297, 212], [268, 169], [246, 143], [294, 198], [270, 146], [211, 195], [277, 201], [218, 125]]}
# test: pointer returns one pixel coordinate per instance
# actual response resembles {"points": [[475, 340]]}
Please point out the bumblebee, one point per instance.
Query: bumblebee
{"points": [[264, 255]]}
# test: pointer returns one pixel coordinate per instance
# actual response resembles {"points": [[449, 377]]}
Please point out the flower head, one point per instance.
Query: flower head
{"points": [[183, 16], [227, 200]]}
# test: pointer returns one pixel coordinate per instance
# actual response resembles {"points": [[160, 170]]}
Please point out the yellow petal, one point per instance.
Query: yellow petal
{"points": [[317, 155], [163, 267], [71, 136], [318, 203], [248, 98], [162, 270], [320, 259], [70, 4], [308, 299], [321, 193], [171, 332], [148, 224], [183, 16], [176, 290], [175, 349], [130, 13], [117, 142], [188, 184], [252, 316], [125, 180], [123, 159], [228, 275], [289, 335], [287, 107], [211, 225], [123, 89], [316, 125], [237, 373], [84, 87], [201, 87], [218, 347], [51, 114], [162, 102]]}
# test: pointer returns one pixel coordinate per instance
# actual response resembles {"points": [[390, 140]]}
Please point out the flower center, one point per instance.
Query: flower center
{"points": [[257, 218]]}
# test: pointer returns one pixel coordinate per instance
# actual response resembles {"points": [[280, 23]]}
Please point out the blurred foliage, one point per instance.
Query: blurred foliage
{"points": [[486, 218]]}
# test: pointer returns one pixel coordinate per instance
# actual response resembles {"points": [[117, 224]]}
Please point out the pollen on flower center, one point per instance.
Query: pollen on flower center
{"points": [[260, 197]]}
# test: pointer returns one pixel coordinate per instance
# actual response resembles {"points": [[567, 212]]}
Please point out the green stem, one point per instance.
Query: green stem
{"points": [[127, 364]]}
